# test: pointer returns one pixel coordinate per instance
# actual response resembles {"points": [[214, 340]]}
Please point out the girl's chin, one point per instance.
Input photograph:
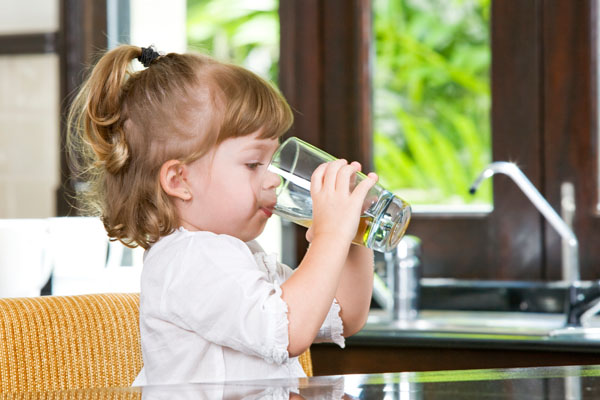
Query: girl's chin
{"points": [[248, 236]]}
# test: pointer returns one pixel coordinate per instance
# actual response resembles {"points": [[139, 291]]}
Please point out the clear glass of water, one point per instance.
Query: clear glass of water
{"points": [[385, 216]]}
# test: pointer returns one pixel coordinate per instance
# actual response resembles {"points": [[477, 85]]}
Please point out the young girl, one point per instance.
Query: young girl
{"points": [[175, 159]]}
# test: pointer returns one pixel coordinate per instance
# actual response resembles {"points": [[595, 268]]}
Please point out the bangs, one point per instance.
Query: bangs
{"points": [[250, 104]]}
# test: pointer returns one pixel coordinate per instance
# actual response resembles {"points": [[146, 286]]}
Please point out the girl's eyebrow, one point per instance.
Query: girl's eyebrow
{"points": [[257, 146]]}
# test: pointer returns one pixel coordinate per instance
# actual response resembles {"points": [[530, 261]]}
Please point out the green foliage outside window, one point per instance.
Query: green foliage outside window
{"points": [[244, 32], [432, 98], [430, 84]]}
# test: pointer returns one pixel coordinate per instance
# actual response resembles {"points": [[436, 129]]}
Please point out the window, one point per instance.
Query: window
{"points": [[543, 116], [431, 93]]}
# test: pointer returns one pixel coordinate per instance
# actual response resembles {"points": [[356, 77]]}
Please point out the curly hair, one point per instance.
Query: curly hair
{"points": [[124, 125]]}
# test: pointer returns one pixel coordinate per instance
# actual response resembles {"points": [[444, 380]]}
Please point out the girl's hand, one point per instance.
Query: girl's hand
{"points": [[337, 208]]}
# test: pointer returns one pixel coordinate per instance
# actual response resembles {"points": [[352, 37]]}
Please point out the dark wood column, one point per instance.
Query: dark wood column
{"points": [[325, 75], [571, 126], [82, 38]]}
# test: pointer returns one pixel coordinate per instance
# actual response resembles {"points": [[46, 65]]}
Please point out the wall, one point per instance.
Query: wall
{"points": [[29, 115]]}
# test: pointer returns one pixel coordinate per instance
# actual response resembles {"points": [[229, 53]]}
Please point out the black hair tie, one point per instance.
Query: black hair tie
{"points": [[148, 56]]}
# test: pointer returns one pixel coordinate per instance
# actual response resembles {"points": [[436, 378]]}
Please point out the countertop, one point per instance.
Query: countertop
{"points": [[488, 314], [567, 382]]}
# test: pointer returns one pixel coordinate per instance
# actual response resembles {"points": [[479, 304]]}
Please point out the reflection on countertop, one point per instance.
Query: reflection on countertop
{"points": [[568, 382]]}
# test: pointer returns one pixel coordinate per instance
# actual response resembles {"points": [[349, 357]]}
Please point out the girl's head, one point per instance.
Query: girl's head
{"points": [[124, 126]]}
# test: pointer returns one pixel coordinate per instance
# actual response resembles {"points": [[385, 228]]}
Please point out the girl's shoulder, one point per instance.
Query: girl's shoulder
{"points": [[182, 242], [211, 256]]}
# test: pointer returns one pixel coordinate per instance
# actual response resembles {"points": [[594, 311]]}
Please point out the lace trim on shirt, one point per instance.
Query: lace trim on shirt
{"points": [[332, 330], [337, 326], [275, 348]]}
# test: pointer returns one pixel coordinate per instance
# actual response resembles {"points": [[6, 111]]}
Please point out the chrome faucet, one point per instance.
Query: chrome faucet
{"points": [[570, 256], [399, 293]]}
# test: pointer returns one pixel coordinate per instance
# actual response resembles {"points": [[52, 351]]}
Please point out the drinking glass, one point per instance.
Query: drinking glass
{"points": [[384, 218]]}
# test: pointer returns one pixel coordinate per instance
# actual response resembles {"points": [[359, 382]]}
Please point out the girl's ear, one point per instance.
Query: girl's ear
{"points": [[172, 180]]}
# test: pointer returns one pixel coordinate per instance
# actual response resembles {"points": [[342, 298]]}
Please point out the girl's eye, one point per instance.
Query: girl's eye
{"points": [[253, 165]]}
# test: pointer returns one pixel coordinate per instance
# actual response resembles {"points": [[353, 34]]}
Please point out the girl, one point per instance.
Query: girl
{"points": [[175, 160]]}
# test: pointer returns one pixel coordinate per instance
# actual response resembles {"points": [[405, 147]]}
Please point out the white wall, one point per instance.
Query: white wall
{"points": [[28, 16], [29, 115]]}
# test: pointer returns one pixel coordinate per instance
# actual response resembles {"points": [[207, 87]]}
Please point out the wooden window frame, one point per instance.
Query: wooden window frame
{"points": [[543, 118]]}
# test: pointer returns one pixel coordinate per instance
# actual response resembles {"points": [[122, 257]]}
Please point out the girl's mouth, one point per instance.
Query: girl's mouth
{"points": [[268, 211]]}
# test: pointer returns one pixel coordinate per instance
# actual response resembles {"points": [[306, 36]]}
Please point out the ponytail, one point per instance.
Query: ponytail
{"points": [[98, 108]]}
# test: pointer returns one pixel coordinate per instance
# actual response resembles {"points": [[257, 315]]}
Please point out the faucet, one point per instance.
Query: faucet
{"points": [[399, 293], [570, 256]]}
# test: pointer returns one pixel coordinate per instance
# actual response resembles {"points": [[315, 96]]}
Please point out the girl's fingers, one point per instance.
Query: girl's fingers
{"points": [[316, 180], [354, 176], [309, 235], [345, 176], [331, 172], [338, 175], [363, 187]]}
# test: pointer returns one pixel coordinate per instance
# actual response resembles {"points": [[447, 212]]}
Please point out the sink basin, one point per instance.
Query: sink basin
{"points": [[511, 296]]}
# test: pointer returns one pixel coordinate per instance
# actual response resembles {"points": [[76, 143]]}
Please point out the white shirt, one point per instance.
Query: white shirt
{"points": [[211, 310]]}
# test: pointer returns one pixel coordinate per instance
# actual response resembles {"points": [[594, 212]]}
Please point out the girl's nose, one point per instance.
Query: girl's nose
{"points": [[271, 180]]}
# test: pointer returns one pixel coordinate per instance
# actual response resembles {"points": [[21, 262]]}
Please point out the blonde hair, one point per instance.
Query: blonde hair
{"points": [[123, 125]]}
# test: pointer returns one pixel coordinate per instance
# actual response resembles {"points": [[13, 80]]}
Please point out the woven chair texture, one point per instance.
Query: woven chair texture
{"points": [[80, 394], [73, 342]]}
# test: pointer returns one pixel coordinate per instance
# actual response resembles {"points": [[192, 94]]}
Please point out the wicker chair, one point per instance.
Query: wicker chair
{"points": [[72, 342]]}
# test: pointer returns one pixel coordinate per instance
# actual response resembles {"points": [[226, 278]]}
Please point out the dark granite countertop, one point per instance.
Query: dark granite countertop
{"points": [[549, 383], [473, 340]]}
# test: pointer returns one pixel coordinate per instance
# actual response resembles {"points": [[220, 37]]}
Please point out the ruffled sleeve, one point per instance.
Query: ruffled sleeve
{"points": [[332, 329], [216, 290]]}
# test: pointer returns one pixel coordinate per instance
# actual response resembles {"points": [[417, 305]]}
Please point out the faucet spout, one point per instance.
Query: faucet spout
{"points": [[570, 267]]}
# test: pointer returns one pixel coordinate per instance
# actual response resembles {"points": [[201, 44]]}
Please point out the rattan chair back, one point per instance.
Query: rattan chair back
{"points": [[73, 342]]}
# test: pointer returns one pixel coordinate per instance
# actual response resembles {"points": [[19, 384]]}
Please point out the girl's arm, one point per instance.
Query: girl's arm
{"points": [[310, 291], [355, 289]]}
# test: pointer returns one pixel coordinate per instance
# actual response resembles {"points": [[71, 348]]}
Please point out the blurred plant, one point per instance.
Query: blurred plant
{"points": [[245, 32], [432, 98]]}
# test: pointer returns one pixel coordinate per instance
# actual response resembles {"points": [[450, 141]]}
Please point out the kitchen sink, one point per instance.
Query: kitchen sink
{"points": [[509, 310]]}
